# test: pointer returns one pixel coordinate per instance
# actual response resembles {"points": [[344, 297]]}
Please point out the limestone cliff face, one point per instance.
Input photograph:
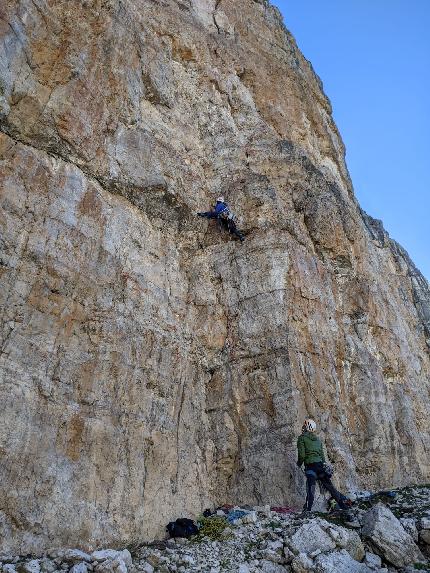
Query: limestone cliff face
{"points": [[151, 365]]}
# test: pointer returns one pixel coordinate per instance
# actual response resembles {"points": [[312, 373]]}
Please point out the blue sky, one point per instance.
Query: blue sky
{"points": [[373, 57]]}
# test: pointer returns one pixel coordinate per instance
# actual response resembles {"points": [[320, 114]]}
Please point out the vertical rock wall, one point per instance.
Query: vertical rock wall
{"points": [[151, 365]]}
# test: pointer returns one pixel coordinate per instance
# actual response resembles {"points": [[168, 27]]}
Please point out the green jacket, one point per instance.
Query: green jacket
{"points": [[309, 449]]}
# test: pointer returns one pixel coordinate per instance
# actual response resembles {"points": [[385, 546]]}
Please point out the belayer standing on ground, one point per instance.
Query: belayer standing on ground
{"points": [[224, 216], [310, 452]]}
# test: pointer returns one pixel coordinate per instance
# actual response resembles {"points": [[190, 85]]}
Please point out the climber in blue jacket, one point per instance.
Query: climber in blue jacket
{"points": [[224, 216]]}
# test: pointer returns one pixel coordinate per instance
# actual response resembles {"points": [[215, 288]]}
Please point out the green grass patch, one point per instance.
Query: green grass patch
{"points": [[212, 527]]}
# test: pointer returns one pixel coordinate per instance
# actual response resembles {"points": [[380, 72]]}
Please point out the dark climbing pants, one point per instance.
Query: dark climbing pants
{"points": [[315, 472], [231, 228]]}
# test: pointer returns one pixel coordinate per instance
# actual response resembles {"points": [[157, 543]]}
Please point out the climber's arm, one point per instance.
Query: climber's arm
{"points": [[208, 214]]}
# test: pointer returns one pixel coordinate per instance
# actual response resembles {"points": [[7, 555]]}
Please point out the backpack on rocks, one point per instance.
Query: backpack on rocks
{"points": [[182, 527]]}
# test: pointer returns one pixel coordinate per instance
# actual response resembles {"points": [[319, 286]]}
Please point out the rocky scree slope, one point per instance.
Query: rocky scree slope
{"points": [[150, 365], [367, 539]]}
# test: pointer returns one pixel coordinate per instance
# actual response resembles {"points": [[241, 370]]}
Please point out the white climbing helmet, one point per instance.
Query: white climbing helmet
{"points": [[309, 425], [220, 199]]}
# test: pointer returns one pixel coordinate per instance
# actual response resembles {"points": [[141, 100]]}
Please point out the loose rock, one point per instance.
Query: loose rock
{"points": [[372, 560], [79, 568], [302, 563], [311, 537], [339, 562], [424, 536], [124, 555], [32, 566], [409, 525], [388, 537], [75, 556], [47, 565]]}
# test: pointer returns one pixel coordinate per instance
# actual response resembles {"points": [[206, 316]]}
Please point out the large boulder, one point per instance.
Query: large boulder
{"points": [[389, 539], [320, 536], [311, 537], [339, 562]]}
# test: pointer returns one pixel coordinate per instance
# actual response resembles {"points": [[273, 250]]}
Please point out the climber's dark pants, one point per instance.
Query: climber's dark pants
{"points": [[231, 227], [316, 472]]}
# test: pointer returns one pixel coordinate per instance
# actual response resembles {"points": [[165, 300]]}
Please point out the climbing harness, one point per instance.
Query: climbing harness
{"points": [[227, 215]]}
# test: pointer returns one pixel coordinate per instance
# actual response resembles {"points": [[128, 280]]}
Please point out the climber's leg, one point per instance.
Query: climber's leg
{"points": [[328, 485], [311, 480], [234, 230]]}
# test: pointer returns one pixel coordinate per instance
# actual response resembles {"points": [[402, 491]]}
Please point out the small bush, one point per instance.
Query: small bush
{"points": [[211, 527]]}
